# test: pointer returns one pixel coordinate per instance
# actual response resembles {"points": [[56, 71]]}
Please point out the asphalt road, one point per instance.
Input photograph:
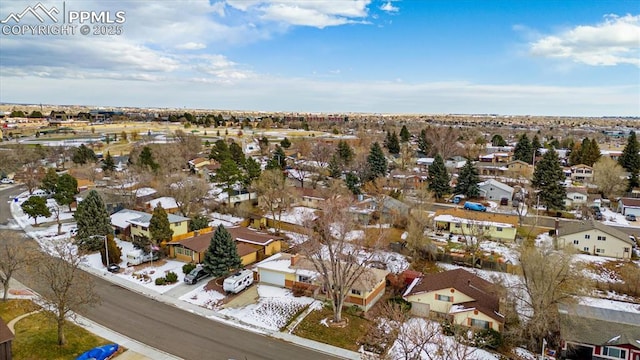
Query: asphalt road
{"points": [[170, 329]]}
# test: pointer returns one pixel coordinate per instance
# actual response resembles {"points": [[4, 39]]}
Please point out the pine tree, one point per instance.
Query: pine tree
{"points": [[159, 226], [590, 152], [345, 153], [36, 206], [146, 159], [108, 163], [335, 168], [198, 222], [548, 177], [377, 162], [228, 174], [423, 144], [630, 159], [523, 150], [66, 190], [92, 218], [536, 145], [468, 180], [404, 134], [220, 151], [278, 159], [575, 156], [498, 140], [438, 178], [115, 252], [285, 143], [252, 171], [50, 181], [392, 143], [236, 153], [222, 254], [352, 182]]}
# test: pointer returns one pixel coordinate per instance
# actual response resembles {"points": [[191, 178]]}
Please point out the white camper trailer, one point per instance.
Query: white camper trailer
{"points": [[238, 281], [137, 257]]}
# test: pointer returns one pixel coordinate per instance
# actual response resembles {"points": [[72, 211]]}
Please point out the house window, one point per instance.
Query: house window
{"points": [[144, 228], [444, 298], [304, 279], [602, 238], [457, 225], [627, 249], [487, 227], [600, 251], [576, 242], [479, 324], [585, 249], [587, 236], [614, 352], [468, 226], [356, 292], [498, 229]]}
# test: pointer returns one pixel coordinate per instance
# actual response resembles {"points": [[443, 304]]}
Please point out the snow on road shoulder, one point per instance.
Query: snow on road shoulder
{"points": [[209, 299], [610, 304]]}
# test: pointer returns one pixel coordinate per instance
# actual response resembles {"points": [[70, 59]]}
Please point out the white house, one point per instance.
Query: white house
{"points": [[575, 197], [596, 238], [495, 190], [629, 206]]}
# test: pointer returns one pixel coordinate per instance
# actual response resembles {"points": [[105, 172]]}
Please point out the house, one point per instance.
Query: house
{"points": [[581, 172], [198, 165], [519, 168], [168, 203], [575, 197], [494, 226], [596, 238], [132, 224], [454, 163], [389, 209], [253, 246], [495, 190], [310, 198], [297, 272], [6, 337], [629, 206], [457, 295], [599, 333]]}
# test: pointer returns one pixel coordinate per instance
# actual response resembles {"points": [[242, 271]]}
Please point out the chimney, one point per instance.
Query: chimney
{"points": [[294, 259]]}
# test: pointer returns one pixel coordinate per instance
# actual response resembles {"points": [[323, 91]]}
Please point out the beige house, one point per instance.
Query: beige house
{"points": [[582, 172], [132, 224], [595, 238], [493, 226], [457, 295]]}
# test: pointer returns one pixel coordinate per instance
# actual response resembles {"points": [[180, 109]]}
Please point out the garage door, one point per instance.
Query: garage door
{"points": [[271, 277]]}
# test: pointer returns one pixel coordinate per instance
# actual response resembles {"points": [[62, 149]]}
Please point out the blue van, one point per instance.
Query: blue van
{"points": [[474, 206]]}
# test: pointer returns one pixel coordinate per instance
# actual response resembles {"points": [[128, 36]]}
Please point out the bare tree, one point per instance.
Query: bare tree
{"points": [[31, 174], [65, 287], [187, 190], [609, 176], [549, 277], [273, 195], [55, 211], [444, 141], [339, 258], [473, 234], [15, 254]]}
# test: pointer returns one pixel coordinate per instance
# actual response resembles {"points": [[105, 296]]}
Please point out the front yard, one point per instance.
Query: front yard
{"points": [[315, 327]]}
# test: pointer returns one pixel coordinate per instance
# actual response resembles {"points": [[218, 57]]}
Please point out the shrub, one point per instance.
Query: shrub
{"points": [[354, 310], [171, 277], [161, 281], [186, 268], [404, 304], [447, 328], [487, 338]]}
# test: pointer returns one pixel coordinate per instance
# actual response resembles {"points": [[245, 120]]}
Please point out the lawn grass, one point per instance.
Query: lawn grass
{"points": [[346, 338], [37, 337], [13, 308]]}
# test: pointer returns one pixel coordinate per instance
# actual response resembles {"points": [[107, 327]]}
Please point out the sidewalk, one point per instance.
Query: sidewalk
{"points": [[171, 297]]}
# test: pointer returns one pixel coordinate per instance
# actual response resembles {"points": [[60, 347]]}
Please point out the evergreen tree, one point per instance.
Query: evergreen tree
{"points": [[236, 153], [630, 158], [146, 159], [575, 156], [352, 182], [228, 174], [220, 151], [404, 134], [142, 242], [50, 181], [335, 168], [108, 164], [498, 140], [468, 180], [438, 178], [523, 150], [278, 159], [252, 171], [345, 153], [36, 206], [66, 190], [198, 222], [377, 162], [392, 143], [115, 252], [536, 145], [82, 155], [92, 218], [159, 226], [222, 254], [423, 143], [285, 143], [547, 178], [590, 152]]}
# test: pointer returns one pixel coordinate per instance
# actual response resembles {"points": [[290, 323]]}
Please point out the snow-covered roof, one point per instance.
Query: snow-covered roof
{"points": [[124, 217], [166, 202], [145, 191], [454, 219]]}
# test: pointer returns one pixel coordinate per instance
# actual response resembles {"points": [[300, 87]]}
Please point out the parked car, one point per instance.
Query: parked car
{"points": [[630, 217], [457, 198], [195, 275], [474, 206], [598, 216], [6, 181], [504, 201], [113, 268]]}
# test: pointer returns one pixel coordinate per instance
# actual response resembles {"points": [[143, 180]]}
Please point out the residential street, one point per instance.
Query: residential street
{"points": [[173, 330]]}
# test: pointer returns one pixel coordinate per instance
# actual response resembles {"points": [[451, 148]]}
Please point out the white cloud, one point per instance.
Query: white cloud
{"points": [[191, 46], [614, 41], [388, 7]]}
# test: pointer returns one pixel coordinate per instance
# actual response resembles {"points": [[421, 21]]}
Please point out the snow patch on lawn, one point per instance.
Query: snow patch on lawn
{"points": [[207, 299]]}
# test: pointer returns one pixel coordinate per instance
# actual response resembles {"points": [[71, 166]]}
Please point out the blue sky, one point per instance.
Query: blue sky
{"points": [[576, 58]]}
